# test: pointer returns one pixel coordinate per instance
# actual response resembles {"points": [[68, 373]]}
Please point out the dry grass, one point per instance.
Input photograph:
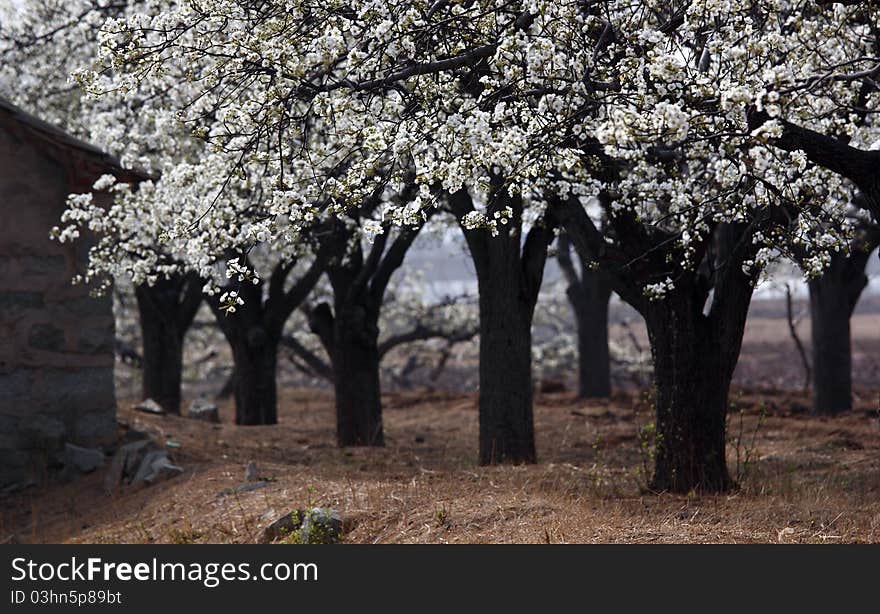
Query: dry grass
{"points": [[807, 479]]}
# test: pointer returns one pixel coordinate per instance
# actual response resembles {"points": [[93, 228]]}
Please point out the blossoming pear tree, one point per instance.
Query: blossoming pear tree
{"points": [[589, 294], [363, 156], [833, 297], [522, 116], [691, 185], [42, 43], [359, 271]]}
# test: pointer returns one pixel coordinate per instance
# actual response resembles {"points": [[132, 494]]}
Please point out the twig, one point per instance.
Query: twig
{"points": [[792, 328]]}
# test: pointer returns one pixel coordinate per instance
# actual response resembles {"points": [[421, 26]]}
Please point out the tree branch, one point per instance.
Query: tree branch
{"points": [[534, 257], [563, 257], [315, 364], [321, 322], [859, 166], [422, 332], [460, 204], [392, 260], [294, 297], [591, 246]]}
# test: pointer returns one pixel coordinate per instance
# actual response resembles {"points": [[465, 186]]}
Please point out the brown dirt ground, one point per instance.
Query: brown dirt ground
{"points": [[804, 480]]}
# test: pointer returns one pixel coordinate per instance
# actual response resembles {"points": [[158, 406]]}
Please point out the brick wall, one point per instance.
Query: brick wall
{"points": [[56, 341]]}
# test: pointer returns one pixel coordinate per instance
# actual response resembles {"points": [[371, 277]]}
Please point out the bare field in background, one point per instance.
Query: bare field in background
{"points": [[769, 357], [802, 479]]}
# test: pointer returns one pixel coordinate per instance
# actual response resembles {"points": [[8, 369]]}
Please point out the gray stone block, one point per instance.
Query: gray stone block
{"points": [[203, 410], [83, 460], [149, 406], [135, 455], [46, 337], [251, 472], [126, 460], [145, 468], [77, 390], [10, 432], [95, 428], [14, 467], [42, 431], [95, 340], [18, 300], [15, 387], [321, 525], [283, 526], [43, 265], [163, 469], [89, 306], [155, 467]]}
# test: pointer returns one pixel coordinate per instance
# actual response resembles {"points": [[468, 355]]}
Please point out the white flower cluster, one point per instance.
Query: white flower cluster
{"points": [[479, 220], [264, 119], [229, 301], [659, 290], [235, 270]]}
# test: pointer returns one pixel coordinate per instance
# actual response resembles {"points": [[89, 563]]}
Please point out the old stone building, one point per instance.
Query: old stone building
{"points": [[56, 341]]}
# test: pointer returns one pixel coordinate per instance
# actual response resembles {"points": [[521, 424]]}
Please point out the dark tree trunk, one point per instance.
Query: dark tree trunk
{"points": [[588, 293], [589, 301], [691, 387], [355, 361], [696, 336], [833, 296], [509, 275], [256, 395], [696, 332], [254, 330], [349, 331], [507, 433], [166, 311], [351, 338], [163, 358]]}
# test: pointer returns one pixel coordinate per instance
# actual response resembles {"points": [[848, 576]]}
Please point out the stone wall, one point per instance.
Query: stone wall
{"points": [[56, 341]]}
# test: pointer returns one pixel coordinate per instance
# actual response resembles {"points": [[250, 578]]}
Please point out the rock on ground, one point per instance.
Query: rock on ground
{"points": [[140, 462], [84, 460], [203, 410], [319, 525], [251, 473], [155, 467], [282, 527], [149, 406], [125, 462]]}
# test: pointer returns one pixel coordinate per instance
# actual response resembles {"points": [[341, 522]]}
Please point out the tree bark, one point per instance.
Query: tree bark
{"points": [[696, 332], [349, 331], [589, 301], [507, 433], [166, 311], [355, 360], [256, 396], [588, 293], [509, 275], [254, 331], [162, 360], [833, 297], [692, 381]]}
